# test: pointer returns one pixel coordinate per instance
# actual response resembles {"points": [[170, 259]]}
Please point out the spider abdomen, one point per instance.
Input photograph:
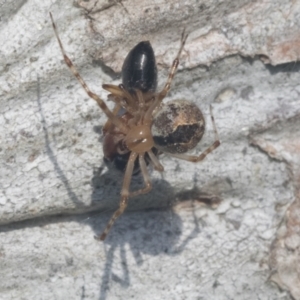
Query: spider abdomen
{"points": [[178, 127], [139, 70]]}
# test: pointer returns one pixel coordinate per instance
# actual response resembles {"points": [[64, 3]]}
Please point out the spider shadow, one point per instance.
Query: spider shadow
{"points": [[154, 230], [107, 184], [50, 153], [151, 231]]}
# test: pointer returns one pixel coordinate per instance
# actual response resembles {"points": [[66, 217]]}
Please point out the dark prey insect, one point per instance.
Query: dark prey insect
{"points": [[133, 139]]}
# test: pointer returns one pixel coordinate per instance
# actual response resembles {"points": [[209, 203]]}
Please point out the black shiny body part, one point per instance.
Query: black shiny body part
{"points": [[139, 70]]}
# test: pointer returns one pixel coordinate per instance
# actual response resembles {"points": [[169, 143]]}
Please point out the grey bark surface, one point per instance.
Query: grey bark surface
{"points": [[56, 193]]}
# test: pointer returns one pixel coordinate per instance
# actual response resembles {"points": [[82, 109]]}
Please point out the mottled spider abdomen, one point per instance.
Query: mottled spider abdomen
{"points": [[139, 70], [178, 126]]}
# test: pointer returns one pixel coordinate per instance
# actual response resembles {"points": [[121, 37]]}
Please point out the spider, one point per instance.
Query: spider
{"points": [[147, 127]]}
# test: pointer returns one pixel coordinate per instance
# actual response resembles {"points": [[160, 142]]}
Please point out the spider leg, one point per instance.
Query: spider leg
{"points": [[194, 158], [117, 121], [108, 124], [139, 113], [146, 177], [161, 95], [124, 195], [120, 92], [174, 67], [157, 165], [198, 158]]}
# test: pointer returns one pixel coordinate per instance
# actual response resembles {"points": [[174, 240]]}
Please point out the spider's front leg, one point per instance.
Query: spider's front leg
{"points": [[162, 94], [174, 67], [117, 121]]}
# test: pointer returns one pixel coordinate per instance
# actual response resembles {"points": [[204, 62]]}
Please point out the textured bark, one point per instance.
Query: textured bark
{"points": [[241, 57]]}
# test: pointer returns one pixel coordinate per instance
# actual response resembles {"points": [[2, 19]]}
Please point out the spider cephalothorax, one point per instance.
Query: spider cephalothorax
{"points": [[140, 125]]}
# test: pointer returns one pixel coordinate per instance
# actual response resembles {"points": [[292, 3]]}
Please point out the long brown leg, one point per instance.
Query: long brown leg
{"points": [[174, 67], [146, 177], [117, 121], [124, 196], [157, 165], [120, 91], [161, 95], [125, 189], [108, 124], [200, 157], [138, 114], [193, 158]]}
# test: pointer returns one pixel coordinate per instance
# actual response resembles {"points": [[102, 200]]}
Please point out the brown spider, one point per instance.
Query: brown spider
{"points": [[134, 138]]}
